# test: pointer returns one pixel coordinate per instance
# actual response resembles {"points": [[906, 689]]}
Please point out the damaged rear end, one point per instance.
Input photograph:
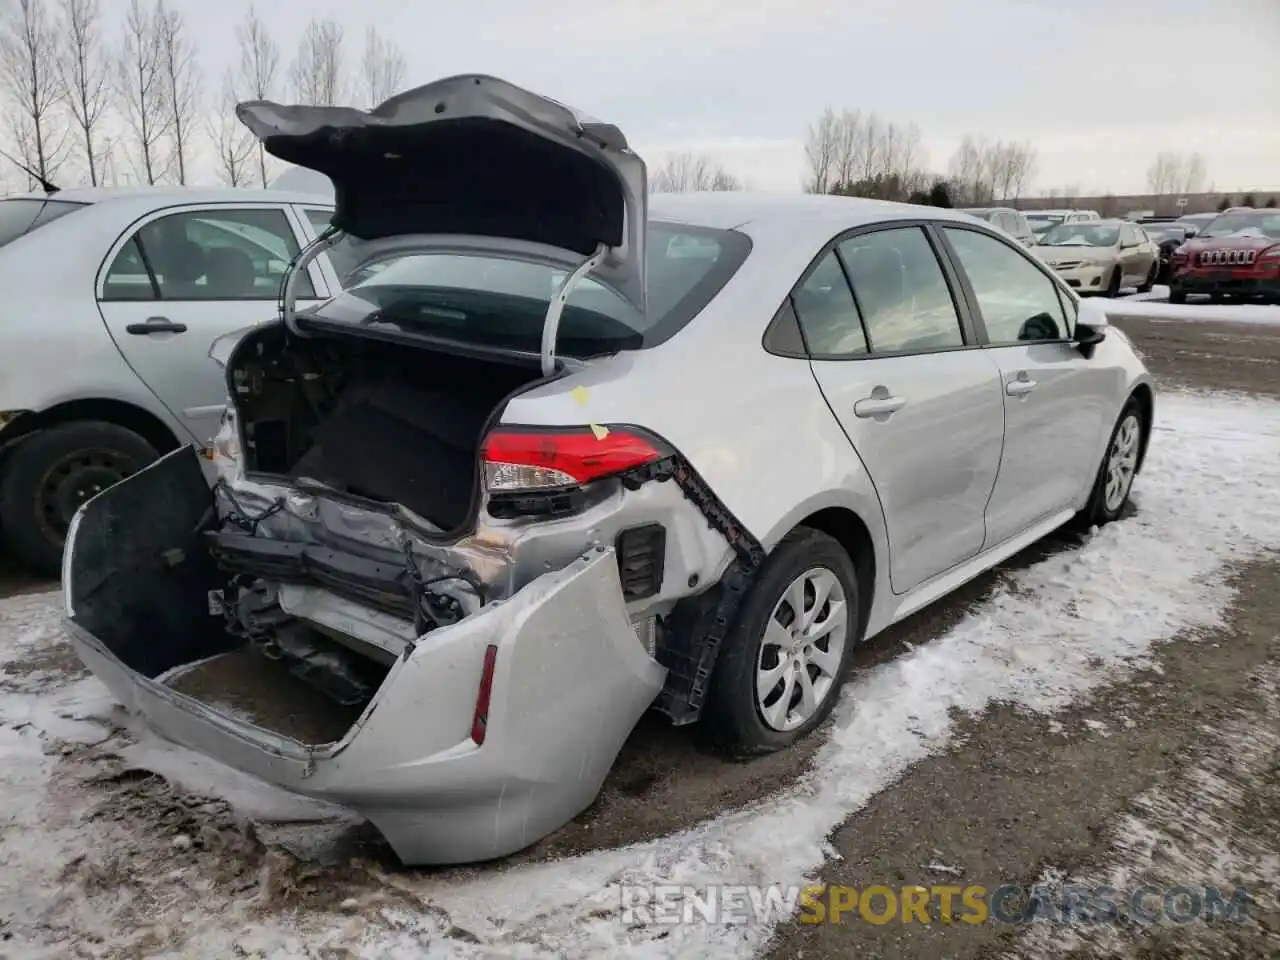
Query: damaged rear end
{"points": [[372, 590]]}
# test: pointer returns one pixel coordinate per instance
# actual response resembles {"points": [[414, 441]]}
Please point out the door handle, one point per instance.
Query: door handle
{"points": [[156, 325], [878, 406], [1019, 387]]}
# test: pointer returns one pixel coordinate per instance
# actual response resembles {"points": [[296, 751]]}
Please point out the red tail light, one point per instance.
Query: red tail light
{"points": [[1270, 255], [519, 459], [480, 720]]}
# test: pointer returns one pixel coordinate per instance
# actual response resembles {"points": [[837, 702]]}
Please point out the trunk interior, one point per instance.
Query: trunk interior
{"points": [[157, 597], [379, 420]]}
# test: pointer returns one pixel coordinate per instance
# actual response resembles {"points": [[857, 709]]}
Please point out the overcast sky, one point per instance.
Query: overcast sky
{"points": [[1099, 86]]}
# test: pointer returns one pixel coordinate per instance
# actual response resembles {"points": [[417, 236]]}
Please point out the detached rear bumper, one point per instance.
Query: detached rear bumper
{"points": [[570, 680]]}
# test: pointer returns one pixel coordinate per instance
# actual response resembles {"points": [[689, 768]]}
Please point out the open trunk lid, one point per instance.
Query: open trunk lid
{"points": [[473, 165]]}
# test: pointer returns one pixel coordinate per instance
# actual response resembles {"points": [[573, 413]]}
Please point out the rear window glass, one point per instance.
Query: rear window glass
{"points": [[19, 217], [502, 302]]}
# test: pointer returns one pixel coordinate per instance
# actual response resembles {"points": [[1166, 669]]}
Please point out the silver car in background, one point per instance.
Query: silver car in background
{"points": [[570, 454], [1007, 219], [113, 297], [1101, 256]]}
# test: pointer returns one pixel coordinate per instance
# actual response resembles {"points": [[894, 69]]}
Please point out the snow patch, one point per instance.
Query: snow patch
{"points": [[1250, 313], [1208, 497]]}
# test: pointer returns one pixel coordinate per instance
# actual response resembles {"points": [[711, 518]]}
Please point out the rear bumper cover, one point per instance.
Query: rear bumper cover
{"points": [[571, 679]]}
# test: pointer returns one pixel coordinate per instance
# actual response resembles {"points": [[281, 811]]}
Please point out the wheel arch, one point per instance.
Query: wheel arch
{"points": [[127, 415], [848, 529], [1145, 398]]}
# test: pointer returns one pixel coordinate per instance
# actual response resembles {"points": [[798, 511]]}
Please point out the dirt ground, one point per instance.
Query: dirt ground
{"points": [[1017, 799]]}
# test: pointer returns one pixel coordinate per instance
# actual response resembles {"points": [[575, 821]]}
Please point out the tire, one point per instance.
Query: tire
{"points": [[1103, 508], [1177, 295], [49, 474], [1152, 275], [734, 717], [1113, 285]]}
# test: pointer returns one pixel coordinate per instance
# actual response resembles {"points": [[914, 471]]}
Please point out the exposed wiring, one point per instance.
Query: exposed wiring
{"points": [[241, 517], [428, 606]]}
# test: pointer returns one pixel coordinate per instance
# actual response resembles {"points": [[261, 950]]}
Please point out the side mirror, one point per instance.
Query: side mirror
{"points": [[1091, 326]]}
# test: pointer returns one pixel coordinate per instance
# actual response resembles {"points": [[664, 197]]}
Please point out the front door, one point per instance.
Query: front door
{"points": [[1053, 396], [922, 410], [186, 276]]}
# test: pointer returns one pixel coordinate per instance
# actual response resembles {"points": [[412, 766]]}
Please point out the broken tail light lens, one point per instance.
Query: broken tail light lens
{"points": [[523, 459]]}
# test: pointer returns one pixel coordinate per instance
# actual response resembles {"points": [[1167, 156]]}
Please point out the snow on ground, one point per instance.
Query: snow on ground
{"points": [[1186, 828], [1155, 293], [1209, 497], [1253, 313]]}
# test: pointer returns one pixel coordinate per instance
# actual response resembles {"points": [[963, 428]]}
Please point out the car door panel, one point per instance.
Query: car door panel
{"points": [[922, 410], [1052, 396], [185, 277], [933, 457]]}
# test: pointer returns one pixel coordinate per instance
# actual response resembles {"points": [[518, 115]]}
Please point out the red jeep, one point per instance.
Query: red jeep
{"points": [[1236, 255]]}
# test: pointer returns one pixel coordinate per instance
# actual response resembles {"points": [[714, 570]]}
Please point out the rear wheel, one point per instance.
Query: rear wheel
{"points": [[1113, 285], [1152, 275], [1114, 481], [784, 659], [1177, 295], [50, 474]]}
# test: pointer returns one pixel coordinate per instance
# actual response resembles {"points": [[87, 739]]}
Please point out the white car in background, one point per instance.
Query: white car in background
{"points": [[1042, 220], [113, 300]]}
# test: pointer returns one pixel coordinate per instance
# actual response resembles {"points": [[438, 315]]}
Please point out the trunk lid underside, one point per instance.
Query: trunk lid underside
{"points": [[474, 164]]}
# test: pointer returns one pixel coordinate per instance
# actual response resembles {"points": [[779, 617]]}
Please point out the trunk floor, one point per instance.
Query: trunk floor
{"points": [[261, 691]]}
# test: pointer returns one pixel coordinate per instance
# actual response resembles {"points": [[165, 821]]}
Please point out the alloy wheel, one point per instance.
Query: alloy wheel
{"points": [[1122, 463], [802, 649]]}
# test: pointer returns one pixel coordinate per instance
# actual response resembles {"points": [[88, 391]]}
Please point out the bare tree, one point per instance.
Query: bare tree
{"points": [[688, 172], [232, 140], [1175, 173], [382, 68], [821, 145], [1191, 174], [1023, 163], [180, 80], [318, 71], [1163, 173], [31, 78], [971, 171], [141, 78], [84, 73], [257, 67]]}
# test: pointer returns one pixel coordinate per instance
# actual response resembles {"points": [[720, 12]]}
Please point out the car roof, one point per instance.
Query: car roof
{"points": [[729, 210], [172, 195]]}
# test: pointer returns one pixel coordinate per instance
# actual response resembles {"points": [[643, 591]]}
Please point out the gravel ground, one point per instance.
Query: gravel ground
{"points": [[1018, 802]]}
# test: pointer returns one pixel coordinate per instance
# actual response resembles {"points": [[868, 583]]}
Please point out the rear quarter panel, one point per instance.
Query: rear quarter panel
{"points": [[754, 425]]}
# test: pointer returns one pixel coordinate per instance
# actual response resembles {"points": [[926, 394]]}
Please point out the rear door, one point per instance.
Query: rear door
{"points": [[1053, 397], [898, 365], [182, 277]]}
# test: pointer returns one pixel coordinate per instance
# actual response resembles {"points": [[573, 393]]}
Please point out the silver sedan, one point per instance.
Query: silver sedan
{"points": [[563, 455]]}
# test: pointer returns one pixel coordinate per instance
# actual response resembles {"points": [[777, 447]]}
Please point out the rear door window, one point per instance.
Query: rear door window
{"points": [[22, 215], [828, 316], [901, 291], [215, 254]]}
